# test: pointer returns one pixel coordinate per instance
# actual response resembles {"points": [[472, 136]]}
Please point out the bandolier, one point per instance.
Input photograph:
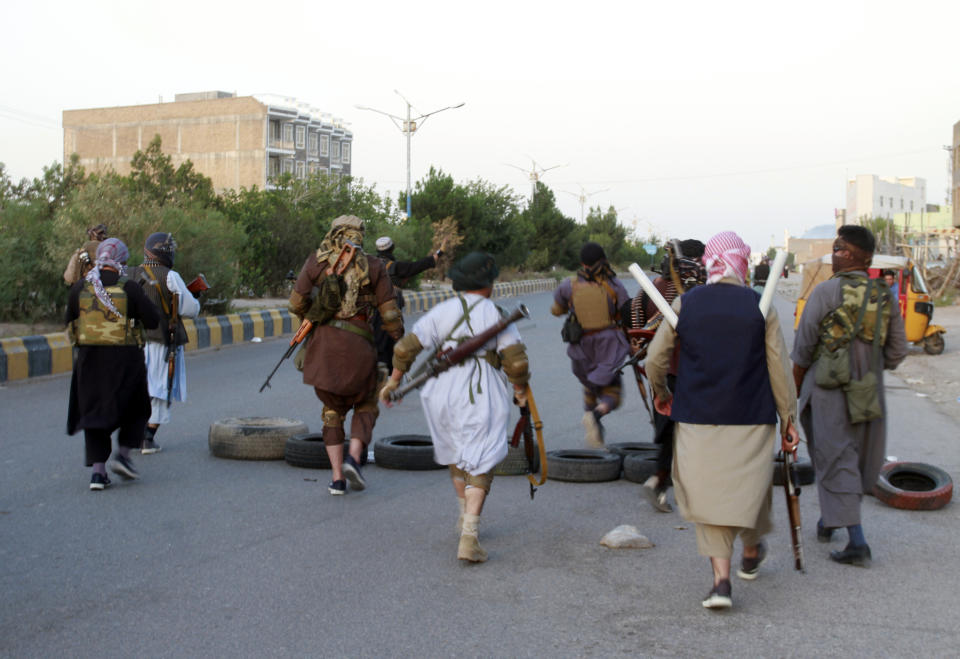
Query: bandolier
{"points": [[152, 277]]}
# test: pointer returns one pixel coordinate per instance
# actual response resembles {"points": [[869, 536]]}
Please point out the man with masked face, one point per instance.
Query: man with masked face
{"points": [[598, 347], [687, 272], [161, 282], [340, 359], [847, 456], [106, 313]]}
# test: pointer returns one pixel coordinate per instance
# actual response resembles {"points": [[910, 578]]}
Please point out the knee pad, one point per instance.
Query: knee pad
{"points": [[513, 361], [331, 418], [405, 352], [612, 393], [482, 481]]}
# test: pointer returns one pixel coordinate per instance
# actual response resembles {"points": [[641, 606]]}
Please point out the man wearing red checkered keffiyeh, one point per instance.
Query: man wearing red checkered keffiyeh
{"points": [[726, 255]]}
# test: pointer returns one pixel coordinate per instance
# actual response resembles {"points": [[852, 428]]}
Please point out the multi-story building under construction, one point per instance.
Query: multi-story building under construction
{"points": [[238, 141]]}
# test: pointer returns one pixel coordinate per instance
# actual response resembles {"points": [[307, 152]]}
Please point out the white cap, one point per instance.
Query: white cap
{"points": [[384, 243]]}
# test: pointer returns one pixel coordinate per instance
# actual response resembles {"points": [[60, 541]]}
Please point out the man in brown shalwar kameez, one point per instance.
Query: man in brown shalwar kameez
{"points": [[847, 457], [340, 361], [733, 383]]}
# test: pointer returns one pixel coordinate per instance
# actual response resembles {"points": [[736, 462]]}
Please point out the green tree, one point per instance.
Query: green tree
{"points": [[556, 238], [154, 179], [604, 229]]}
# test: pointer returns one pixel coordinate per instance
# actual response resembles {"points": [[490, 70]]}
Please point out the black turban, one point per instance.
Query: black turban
{"points": [[160, 247], [473, 272], [590, 253]]}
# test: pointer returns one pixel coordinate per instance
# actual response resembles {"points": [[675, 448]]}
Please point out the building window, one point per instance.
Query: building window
{"points": [[301, 169], [901, 203], [336, 152], [312, 144], [301, 136], [324, 145], [288, 165], [881, 202], [911, 204], [345, 153], [312, 169], [891, 202], [274, 130], [287, 132], [274, 169]]}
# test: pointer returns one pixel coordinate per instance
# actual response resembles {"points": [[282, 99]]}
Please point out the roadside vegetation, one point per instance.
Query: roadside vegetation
{"points": [[247, 242]]}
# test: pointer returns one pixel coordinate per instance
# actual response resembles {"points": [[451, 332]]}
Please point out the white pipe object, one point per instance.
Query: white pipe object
{"points": [[668, 314], [771, 287]]}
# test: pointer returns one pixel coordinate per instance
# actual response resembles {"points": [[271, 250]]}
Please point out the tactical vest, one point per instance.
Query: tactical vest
{"points": [[153, 281], [96, 325], [591, 304], [836, 328]]}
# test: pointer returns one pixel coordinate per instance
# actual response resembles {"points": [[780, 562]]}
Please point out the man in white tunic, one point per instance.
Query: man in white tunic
{"points": [[160, 282], [467, 407]]}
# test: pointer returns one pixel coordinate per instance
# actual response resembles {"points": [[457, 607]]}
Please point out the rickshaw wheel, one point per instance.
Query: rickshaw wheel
{"points": [[933, 344]]}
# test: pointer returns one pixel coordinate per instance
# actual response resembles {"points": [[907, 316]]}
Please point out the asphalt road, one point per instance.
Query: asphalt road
{"points": [[211, 557]]}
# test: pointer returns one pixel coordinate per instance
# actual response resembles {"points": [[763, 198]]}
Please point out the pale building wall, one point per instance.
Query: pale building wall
{"points": [[870, 196], [955, 183], [224, 138]]}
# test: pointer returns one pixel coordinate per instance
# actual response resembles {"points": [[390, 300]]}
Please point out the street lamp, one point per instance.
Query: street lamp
{"points": [[408, 127]]}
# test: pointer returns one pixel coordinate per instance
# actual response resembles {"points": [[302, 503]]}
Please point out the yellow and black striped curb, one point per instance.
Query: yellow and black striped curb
{"points": [[48, 354]]}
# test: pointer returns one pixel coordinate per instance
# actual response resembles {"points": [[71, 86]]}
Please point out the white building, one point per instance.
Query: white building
{"points": [[870, 196]]}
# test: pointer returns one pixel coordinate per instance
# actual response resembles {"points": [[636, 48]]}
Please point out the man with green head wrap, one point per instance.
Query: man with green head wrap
{"points": [[468, 406]]}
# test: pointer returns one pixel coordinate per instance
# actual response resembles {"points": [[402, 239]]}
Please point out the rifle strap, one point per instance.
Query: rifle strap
{"points": [[153, 280], [538, 429], [350, 327]]}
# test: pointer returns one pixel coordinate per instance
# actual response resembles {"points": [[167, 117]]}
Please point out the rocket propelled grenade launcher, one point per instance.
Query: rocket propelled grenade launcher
{"points": [[668, 314], [771, 286], [453, 356]]}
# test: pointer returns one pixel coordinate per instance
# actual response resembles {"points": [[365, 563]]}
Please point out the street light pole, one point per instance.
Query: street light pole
{"points": [[408, 127]]}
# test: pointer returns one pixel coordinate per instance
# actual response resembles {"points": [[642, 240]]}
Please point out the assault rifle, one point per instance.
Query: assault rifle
{"points": [[450, 357], [172, 344], [343, 260], [793, 507]]}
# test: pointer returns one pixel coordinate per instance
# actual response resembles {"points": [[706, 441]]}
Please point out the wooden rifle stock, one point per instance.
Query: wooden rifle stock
{"points": [[793, 509], [172, 345], [453, 356]]}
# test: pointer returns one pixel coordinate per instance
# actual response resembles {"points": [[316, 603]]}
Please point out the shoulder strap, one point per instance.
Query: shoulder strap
{"points": [[153, 280], [464, 317]]}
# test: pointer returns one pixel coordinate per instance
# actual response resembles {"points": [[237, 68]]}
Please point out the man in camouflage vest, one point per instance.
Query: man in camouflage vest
{"points": [[847, 456]]}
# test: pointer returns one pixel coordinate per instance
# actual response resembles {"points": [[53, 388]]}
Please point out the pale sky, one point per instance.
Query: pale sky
{"points": [[688, 117]]}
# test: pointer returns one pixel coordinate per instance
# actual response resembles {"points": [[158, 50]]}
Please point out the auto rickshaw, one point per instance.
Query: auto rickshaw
{"points": [[916, 308]]}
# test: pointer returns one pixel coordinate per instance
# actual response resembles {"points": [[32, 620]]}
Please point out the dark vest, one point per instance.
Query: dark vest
{"points": [[156, 289], [722, 374]]}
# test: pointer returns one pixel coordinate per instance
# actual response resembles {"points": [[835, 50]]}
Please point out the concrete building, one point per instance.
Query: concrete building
{"points": [[870, 196], [238, 142]]}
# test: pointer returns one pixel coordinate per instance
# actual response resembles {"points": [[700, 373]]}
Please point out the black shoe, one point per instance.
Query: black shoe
{"points": [[750, 567], [719, 597], [123, 467], [352, 471], [858, 555], [823, 533], [99, 482], [337, 487]]}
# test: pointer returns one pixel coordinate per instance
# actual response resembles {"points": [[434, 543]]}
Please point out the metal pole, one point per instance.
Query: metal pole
{"points": [[409, 132]]}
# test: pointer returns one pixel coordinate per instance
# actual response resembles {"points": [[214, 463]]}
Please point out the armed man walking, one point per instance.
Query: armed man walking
{"points": [[400, 273], [340, 358], [82, 259], [850, 330], [467, 406], [733, 382], [597, 346], [166, 366], [108, 388]]}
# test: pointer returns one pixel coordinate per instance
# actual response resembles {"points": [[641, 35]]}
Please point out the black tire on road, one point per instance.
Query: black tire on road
{"points": [[252, 438], [515, 464], [913, 486], [933, 344], [804, 470], [639, 467], [308, 451], [411, 452], [583, 466], [623, 449]]}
